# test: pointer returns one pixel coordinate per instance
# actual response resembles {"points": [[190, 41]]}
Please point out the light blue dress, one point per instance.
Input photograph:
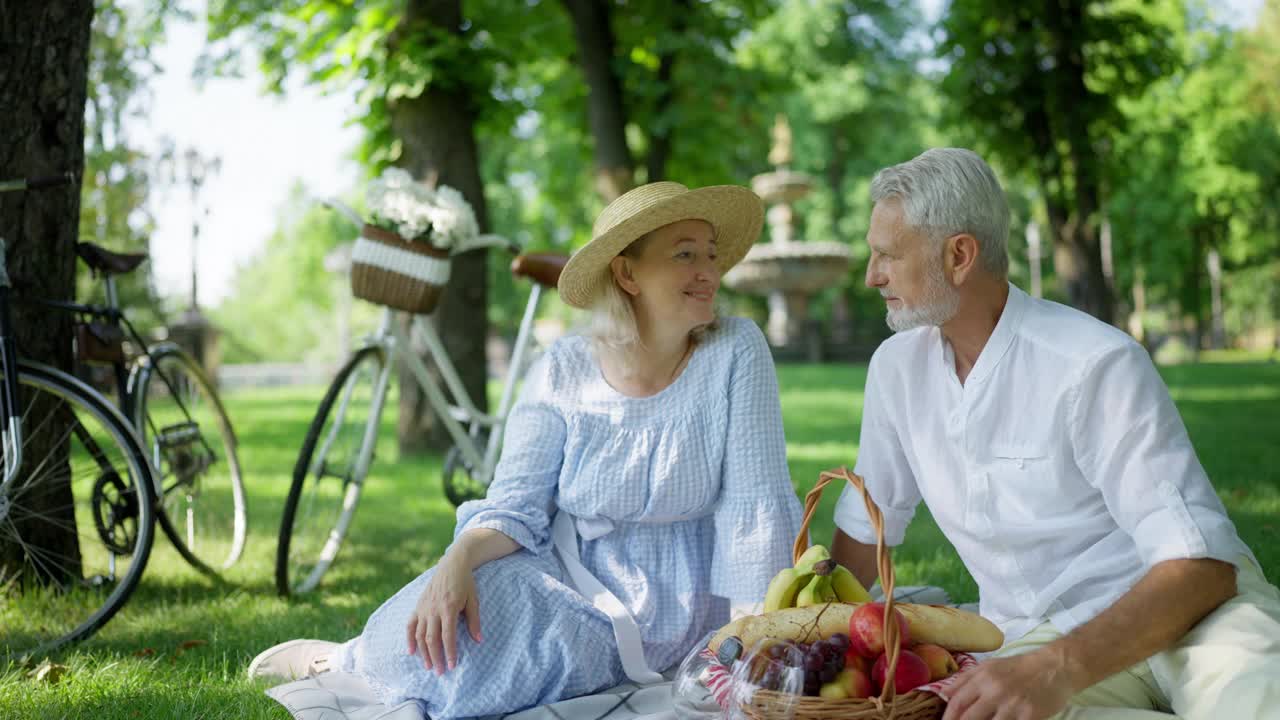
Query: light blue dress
{"points": [[683, 506]]}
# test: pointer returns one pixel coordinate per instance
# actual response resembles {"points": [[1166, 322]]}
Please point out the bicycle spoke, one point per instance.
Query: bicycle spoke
{"points": [[191, 445], [78, 517], [325, 485], [36, 555]]}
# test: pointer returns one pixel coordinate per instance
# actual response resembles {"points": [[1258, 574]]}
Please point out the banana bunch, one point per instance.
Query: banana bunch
{"points": [[814, 580]]}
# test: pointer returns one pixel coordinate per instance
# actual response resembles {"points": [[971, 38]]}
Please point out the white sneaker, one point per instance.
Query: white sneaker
{"points": [[293, 660]]}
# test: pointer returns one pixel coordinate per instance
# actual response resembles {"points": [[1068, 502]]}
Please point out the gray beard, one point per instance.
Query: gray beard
{"points": [[939, 305]]}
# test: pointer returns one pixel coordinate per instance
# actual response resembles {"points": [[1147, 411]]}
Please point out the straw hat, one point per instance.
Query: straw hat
{"points": [[735, 213]]}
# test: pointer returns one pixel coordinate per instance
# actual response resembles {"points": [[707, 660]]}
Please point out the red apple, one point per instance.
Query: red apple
{"points": [[856, 681], [853, 660], [939, 659], [911, 673], [866, 630]]}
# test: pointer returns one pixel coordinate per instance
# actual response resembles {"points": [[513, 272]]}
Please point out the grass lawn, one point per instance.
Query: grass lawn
{"points": [[179, 648]]}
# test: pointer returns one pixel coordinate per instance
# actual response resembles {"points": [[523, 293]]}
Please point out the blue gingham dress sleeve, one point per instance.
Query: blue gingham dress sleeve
{"points": [[521, 500], [759, 513]]}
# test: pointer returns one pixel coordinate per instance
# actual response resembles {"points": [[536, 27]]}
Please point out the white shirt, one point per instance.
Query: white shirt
{"points": [[1060, 470]]}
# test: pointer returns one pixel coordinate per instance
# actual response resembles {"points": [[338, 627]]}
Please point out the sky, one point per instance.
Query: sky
{"points": [[265, 144]]}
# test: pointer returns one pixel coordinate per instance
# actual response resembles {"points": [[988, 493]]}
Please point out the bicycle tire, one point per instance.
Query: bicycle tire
{"points": [[299, 563], [114, 525], [203, 464], [456, 477]]}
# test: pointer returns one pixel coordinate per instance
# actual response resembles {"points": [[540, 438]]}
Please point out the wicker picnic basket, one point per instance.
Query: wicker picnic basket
{"points": [[915, 705], [388, 270]]}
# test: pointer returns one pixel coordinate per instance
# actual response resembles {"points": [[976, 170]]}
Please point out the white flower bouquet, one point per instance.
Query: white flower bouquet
{"points": [[402, 258], [439, 216]]}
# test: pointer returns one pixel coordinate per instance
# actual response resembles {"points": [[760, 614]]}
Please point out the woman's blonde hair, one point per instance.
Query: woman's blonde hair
{"points": [[612, 326]]}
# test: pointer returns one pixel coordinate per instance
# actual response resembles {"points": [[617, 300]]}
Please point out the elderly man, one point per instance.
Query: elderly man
{"points": [[1051, 456]]}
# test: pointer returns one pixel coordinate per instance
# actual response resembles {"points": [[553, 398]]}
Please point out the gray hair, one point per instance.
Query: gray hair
{"points": [[945, 191], [613, 328]]}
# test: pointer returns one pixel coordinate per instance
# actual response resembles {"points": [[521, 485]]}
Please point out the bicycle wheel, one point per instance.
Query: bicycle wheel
{"points": [[76, 524], [192, 448], [456, 476], [330, 472]]}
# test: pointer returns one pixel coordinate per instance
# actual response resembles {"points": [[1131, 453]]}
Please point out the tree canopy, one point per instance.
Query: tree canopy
{"points": [[1142, 136]]}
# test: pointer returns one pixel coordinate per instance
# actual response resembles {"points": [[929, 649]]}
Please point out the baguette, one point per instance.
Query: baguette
{"points": [[953, 629]]}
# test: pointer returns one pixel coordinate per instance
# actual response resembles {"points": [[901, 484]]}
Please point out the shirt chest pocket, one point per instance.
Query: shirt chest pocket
{"points": [[1023, 482]]}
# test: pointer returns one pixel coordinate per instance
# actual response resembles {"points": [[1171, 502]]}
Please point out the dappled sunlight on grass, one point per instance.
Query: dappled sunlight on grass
{"points": [[180, 647]]}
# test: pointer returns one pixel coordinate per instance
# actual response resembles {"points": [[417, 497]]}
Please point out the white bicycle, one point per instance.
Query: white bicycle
{"points": [[339, 447]]}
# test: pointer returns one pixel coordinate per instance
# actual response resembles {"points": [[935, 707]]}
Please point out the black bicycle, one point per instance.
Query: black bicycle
{"points": [[85, 480]]}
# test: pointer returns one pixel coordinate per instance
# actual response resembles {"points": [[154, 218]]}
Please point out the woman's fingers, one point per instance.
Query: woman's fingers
{"points": [[434, 646], [424, 646], [410, 630], [449, 641]]}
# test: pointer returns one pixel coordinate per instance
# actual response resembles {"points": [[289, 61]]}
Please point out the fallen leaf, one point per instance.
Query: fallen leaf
{"points": [[49, 672], [144, 652], [188, 644]]}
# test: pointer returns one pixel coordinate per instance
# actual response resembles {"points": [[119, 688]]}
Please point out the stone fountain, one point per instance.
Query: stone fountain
{"points": [[788, 270]]}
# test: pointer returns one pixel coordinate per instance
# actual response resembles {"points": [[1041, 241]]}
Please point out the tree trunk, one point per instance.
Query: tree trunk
{"points": [[837, 167], [437, 130], [44, 59], [1218, 337], [1192, 303], [1078, 262], [1059, 120], [661, 135], [606, 112]]}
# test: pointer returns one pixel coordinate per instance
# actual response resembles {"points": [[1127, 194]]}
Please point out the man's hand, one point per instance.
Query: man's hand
{"points": [[1033, 686]]}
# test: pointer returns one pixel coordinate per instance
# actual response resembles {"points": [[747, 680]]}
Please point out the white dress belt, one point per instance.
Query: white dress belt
{"points": [[625, 630]]}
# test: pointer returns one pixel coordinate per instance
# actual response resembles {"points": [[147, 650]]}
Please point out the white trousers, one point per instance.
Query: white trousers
{"points": [[1226, 668]]}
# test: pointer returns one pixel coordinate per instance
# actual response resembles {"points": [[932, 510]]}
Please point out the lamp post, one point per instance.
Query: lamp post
{"points": [[196, 169], [192, 330]]}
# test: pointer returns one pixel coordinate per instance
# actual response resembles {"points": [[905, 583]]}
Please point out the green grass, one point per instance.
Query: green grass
{"points": [[180, 647]]}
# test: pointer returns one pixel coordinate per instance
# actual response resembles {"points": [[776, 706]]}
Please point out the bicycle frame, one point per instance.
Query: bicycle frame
{"points": [[125, 373], [8, 351], [12, 418], [392, 338]]}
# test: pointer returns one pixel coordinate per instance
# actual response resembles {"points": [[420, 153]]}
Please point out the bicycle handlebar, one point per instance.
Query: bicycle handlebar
{"points": [[20, 185], [37, 183], [343, 208], [487, 240]]}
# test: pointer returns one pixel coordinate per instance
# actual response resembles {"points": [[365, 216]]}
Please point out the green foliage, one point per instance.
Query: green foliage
{"points": [[1172, 120], [1200, 168], [336, 44], [1008, 61], [116, 181]]}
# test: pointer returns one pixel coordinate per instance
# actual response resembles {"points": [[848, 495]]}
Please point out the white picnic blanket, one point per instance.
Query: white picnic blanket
{"points": [[345, 696]]}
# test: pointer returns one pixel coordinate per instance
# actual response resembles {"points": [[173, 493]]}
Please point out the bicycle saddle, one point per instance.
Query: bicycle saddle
{"points": [[102, 260], [542, 268]]}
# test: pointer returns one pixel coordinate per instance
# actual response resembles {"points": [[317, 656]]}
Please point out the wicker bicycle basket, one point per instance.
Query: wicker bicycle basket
{"points": [[915, 705], [388, 270]]}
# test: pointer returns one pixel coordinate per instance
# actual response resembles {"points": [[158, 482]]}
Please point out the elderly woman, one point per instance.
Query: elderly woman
{"points": [[642, 491]]}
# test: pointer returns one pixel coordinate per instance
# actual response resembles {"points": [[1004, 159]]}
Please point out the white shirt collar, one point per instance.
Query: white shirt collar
{"points": [[998, 344]]}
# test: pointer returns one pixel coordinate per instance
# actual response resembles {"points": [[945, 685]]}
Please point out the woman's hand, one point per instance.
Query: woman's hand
{"points": [[433, 626]]}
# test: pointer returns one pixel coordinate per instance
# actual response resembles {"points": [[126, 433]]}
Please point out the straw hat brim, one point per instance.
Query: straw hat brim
{"points": [[735, 213]]}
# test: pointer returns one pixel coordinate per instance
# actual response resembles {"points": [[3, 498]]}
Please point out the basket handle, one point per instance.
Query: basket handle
{"points": [[892, 641]]}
